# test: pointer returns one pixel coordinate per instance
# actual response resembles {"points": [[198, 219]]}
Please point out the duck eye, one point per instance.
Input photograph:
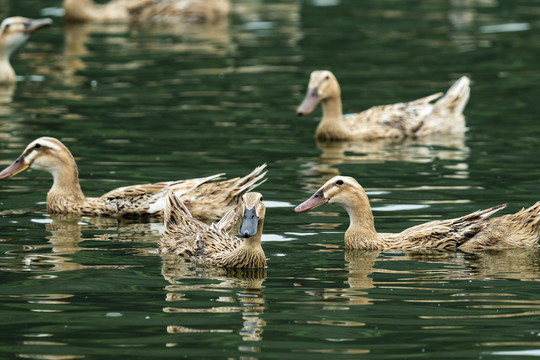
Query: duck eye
{"points": [[261, 199], [339, 182], [37, 146], [327, 77]]}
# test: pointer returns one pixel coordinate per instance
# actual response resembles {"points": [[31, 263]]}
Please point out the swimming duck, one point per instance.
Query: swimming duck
{"points": [[471, 232], [207, 200], [410, 119], [14, 32], [154, 11], [213, 245]]}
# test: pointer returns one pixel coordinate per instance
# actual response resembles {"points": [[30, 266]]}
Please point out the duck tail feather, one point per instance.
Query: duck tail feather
{"points": [[457, 96], [175, 211], [488, 212], [251, 180], [226, 222]]}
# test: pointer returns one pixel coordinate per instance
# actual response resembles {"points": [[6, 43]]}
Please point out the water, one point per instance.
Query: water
{"points": [[138, 105]]}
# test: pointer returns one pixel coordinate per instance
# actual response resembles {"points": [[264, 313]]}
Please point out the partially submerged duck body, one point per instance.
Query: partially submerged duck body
{"points": [[208, 198], [472, 232], [151, 11], [410, 119], [212, 245]]}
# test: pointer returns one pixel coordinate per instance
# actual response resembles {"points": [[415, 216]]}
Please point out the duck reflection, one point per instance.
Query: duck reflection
{"points": [[67, 235], [213, 38], [361, 268], [465, 19], [250, 300], [281, 19], [517, 264], [427, 149]]}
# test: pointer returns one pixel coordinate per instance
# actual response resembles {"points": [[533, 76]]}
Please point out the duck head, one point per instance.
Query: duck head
{"points": [[341, 190], [322, 85], [45, 153], [14, 31], [253, 211]]}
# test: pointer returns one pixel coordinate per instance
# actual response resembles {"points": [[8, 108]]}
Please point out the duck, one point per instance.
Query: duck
{"points": [[212, 245], [207, 198], [469, 233], [14, 31], [151, 11], [410, 119]]}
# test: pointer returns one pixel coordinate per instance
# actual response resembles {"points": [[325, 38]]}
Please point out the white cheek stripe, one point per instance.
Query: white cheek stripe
{"points": [[46, 143], [30, 158]]}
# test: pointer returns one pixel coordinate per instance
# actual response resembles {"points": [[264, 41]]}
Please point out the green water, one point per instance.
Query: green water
{"points": [[145, 104]]}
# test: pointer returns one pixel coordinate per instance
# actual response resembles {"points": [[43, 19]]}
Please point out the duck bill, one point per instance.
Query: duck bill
{"points": [[315, 200], [37, 24], [16, 167], [310, 102], [250, 223]]}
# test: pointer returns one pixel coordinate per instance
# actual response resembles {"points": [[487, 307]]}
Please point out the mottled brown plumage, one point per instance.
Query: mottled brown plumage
{"points": [[411, 119], [51, 155], [212, 244], [14, 32], [152, 11], [472, 232]]}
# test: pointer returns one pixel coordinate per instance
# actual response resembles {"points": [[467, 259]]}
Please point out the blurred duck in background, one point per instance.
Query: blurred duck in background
{"points": [[411, 119], [153, 11], [14, 32], [206, 198]]}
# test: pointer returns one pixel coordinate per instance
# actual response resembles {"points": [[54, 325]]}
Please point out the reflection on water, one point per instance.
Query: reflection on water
{"points": [[212, 39], [434, 289], [145, 104], [66, 238], [249, 301], [518, 264], [422, 150]]}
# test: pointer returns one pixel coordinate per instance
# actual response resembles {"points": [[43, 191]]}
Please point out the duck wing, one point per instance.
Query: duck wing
{"points": [[392, 121], [213, 200], [442, 234], [187, 236], [149, 199], [168, 11]]}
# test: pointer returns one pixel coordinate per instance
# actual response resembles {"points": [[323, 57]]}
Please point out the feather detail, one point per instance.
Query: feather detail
{"points": [[211, 245], [149, 11]]}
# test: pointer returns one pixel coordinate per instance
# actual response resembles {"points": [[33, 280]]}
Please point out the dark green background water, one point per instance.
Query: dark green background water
{"points": [[145, 104]]}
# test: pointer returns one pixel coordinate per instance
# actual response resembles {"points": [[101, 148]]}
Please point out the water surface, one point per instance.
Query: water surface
{"points": [[143, 104]]}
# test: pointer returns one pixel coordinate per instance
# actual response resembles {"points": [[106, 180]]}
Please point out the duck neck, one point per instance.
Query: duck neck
{"points": [[332, 126], [361, 233], [7, 74], [80, 10], [250, 254], [66, 189]]}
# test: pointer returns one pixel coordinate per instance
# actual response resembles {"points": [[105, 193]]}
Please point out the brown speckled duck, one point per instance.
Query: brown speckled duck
{"points": [[411, 119], [153, 11], [206, 198], [472, 232], [212, 245], [14, 32]]}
